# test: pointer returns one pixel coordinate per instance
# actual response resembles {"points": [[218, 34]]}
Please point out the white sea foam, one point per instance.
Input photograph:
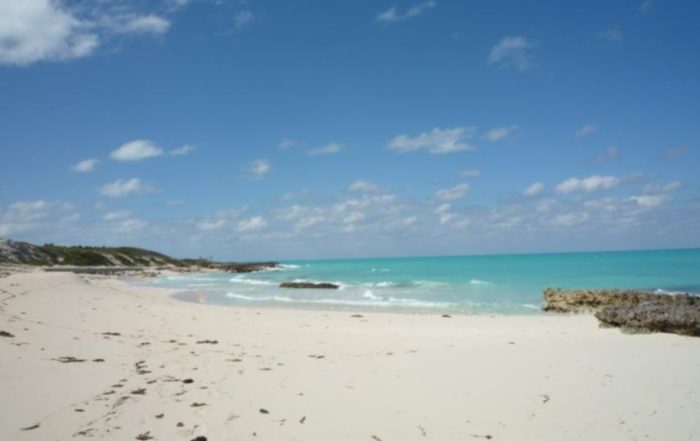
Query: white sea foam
{"points": [[383, 284], [477, 282], [370, 300], [233, 295], [368, 294], [241, 279]]}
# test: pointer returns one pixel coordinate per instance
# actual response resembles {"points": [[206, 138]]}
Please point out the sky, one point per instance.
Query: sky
{"points": [[244, 130]]}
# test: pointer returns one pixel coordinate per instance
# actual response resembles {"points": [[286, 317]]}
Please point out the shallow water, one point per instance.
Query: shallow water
{"points": [[502, 284]]}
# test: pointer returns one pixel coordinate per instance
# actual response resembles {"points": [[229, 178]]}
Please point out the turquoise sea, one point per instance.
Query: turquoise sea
{"points": [[502, 284]]}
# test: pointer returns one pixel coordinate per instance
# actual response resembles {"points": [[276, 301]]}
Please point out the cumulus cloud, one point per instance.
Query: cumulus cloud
{"points": [[648, 201], [444, 214], [586, 130], [243, 18], [184, 150], [456, 192], [533, 189], [500, 133], [259, 168], [24, 216], [612, 34], [329, 149], [42, 30], [85, 166], [392, 15], [53, 30], [437, 141], [363, 186], [470, 173], [512, 52], [254, 223], [136, 151], [137, 24], [121, 188], [591, 183]]}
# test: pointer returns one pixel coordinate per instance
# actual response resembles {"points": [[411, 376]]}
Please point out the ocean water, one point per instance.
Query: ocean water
{"points": [[489, 284]]}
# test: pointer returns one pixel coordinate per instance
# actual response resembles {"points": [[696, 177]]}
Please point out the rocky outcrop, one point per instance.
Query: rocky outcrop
{"points": [[309, 285], [678, 314], [636, 311], [591, 300]]}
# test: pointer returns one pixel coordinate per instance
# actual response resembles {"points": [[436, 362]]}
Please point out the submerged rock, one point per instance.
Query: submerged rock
{"points": [[312, 285], [591, 300], [678, 314]]}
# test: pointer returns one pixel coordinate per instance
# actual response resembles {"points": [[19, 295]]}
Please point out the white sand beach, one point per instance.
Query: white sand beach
{"points": [[267, 374]]}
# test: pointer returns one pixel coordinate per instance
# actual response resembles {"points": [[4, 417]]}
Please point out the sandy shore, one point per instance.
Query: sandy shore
{"points": [[268, 374]]}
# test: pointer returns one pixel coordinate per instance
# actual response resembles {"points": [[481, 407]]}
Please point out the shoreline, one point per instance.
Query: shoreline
{"points": [[273, 374]]}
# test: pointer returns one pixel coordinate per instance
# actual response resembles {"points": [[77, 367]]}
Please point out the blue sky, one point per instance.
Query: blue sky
{"points": [[311, 129]]}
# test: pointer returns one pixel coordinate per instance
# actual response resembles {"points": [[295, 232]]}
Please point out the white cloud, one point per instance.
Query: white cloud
{"points": [[591, 183], [512, 52], [287, 144], [363, 186], [184, 150], [586, 130], [26, 216], [116, 215], [470, 173], [612, 34], [42, 30], [648, 201], [137, 24], [445, 216], [534, 189], [391, 15], [646, 6], [85, 166], [500, 133], [308, 222], [259, 168], [456, 192], [120, 188], [136, 150], [437, 141], [211, 224], [254, 223], [328, 149], [56, 30], [243, 18]]}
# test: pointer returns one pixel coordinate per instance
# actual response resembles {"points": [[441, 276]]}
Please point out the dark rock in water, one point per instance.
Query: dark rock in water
{"points": [[248, 267], [309, 285], [591, 300], [678, 314]]}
